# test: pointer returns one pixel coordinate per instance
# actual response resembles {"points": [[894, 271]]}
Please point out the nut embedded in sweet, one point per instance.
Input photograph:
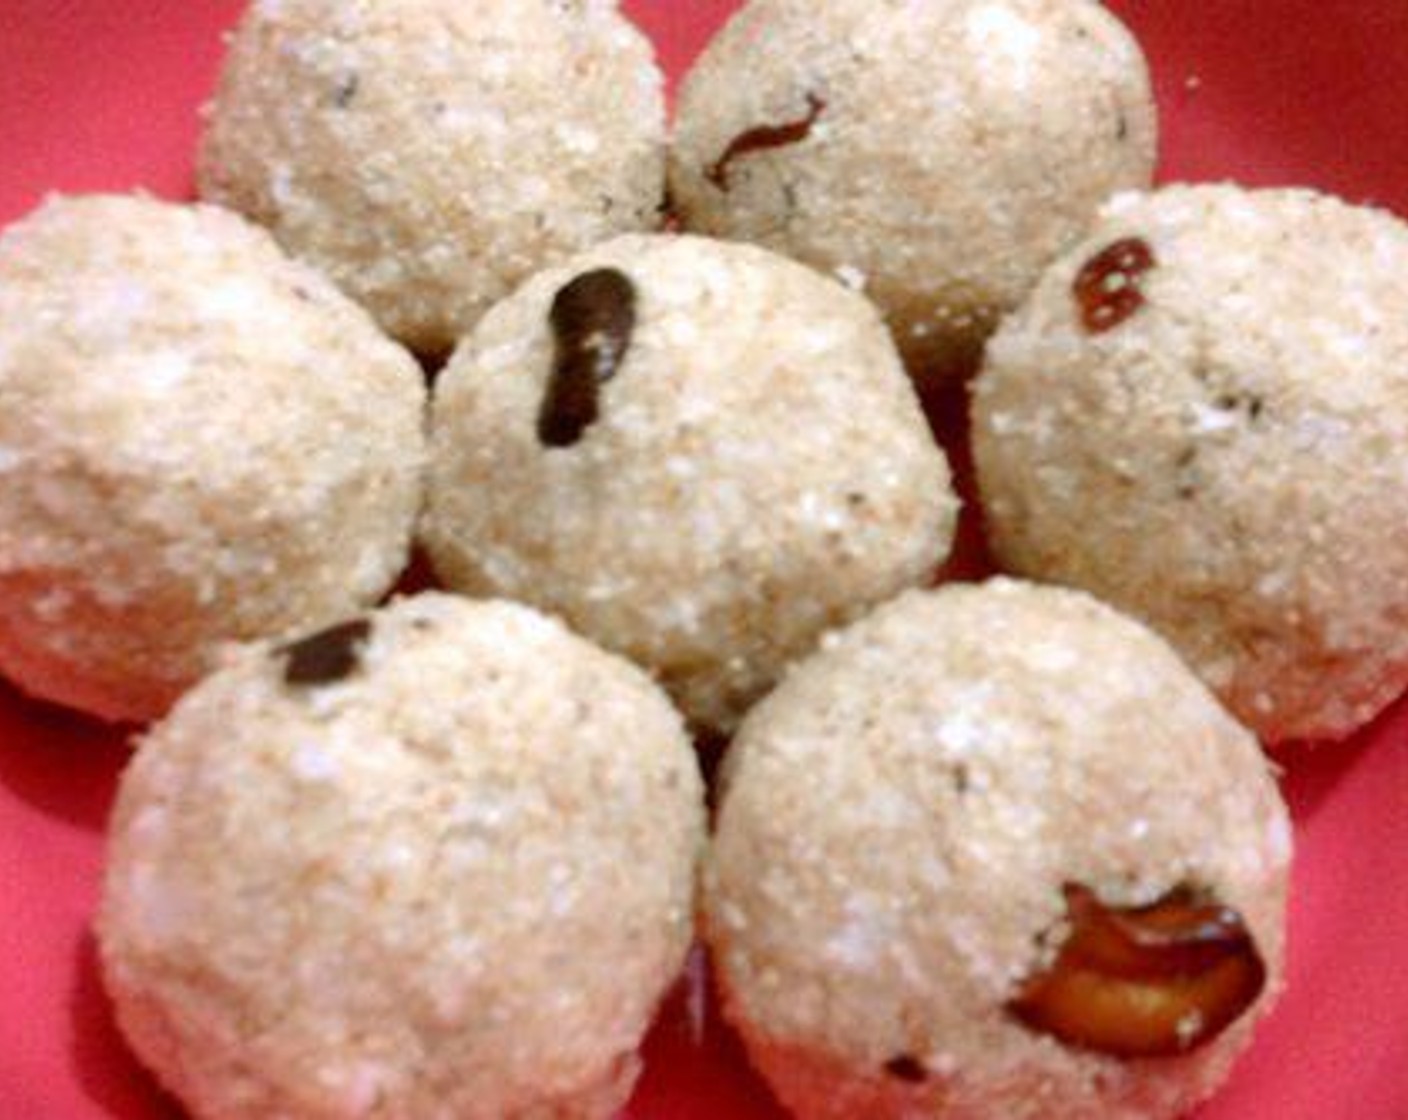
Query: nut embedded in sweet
{"points": [[1144, 982]]}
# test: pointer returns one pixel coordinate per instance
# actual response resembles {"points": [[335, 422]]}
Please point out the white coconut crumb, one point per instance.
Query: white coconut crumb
{"points": [[1206, 420], [484, 120], [860, 943], [853, 277], [962, 732], [1050, 657], [1010, 39], [160, 372], [1002, 423], [485, 814], [734, 917], [1273, 584], [578, 139], [314, 764]]}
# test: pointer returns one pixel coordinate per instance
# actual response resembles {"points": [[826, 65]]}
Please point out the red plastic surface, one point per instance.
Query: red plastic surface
{"points": [[102, 94]]}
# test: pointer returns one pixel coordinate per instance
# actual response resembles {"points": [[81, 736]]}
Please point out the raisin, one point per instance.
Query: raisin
{"points": [[326, 657], [764, 138], [1108, 290], [593, 319], [907, 1068]]}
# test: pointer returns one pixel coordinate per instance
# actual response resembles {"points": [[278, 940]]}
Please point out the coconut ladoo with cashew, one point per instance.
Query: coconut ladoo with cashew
{"points": [[995, 853]]}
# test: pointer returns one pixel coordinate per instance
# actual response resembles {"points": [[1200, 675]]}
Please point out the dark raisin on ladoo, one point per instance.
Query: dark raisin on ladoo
{"points": [[764, 138], [593, 318], [1108, 289], [327, 657], [907, 1068]]}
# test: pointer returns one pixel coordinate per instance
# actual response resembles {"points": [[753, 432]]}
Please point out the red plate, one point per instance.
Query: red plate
{"points": [[102, 95]]}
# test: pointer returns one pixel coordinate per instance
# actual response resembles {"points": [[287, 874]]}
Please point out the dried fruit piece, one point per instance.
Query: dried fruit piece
{"points": [[907, 1068], [1144, 982], [1108, 288], [593, 318], [764, 138], [327, 657]]}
